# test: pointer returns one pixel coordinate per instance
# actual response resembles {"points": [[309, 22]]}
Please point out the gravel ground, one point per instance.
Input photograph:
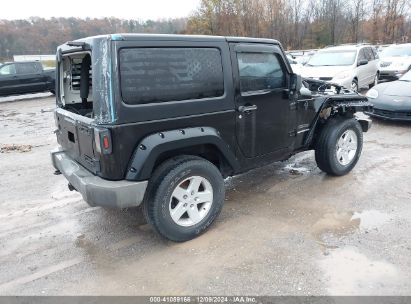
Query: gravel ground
{"points": [[286, 229]]}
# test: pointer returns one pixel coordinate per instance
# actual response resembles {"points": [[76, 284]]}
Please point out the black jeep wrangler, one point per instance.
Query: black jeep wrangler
{"points": [[161, 120]]}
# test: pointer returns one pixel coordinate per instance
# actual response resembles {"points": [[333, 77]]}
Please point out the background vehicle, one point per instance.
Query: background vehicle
{"points": [[352, 66], [25, 77], [167, 117], [395, 61], [392, 100]]}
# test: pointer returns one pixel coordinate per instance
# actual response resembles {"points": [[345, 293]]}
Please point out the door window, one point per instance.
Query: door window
{"points": [[369, 55], [361, 55], [27, 68], [9, 69], [260, 72]]}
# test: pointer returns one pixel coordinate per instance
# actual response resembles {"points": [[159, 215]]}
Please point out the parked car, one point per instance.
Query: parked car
{"points": [[168, 117], [352, 66], [392, 100], [395, 61], [25, 77]]}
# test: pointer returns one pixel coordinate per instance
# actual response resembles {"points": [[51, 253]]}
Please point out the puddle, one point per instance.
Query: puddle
{"points": [[334, 224], [350, 272], [371, 219]]}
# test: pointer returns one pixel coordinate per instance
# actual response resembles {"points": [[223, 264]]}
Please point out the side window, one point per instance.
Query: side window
{"points": [[9, 69], [260, 72], [361, 55], [150, 75], [375, 53], [26, 68], [369, 54]]}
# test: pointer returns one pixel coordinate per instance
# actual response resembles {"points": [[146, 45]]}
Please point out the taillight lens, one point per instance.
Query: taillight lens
{"points": [[102, 139]]}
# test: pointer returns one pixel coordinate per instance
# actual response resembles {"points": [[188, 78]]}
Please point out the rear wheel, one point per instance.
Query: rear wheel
{"points": [[375, 82], [339, 146], [185, 196]]}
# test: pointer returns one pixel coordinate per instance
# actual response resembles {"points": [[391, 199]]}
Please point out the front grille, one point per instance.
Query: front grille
{"points": [[326, 78], [385, 64]]}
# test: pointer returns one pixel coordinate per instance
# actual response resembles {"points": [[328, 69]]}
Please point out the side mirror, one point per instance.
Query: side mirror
{"points": [[363, 62], [295, 82], [305, 92]]}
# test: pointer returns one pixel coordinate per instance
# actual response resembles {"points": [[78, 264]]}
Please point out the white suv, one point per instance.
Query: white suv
{"points": [[352, 66]]}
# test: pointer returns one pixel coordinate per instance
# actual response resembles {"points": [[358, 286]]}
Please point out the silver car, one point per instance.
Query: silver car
{"points": [[352, 66]]}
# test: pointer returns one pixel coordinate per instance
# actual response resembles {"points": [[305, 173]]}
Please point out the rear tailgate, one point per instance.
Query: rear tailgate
{"points": [[75, 134]]}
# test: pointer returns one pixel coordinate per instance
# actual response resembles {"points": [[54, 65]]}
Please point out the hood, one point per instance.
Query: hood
{"points": [[393, 96], [398, 88], [323, 71]]}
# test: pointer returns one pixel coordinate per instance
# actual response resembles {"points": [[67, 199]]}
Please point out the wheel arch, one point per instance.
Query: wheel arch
{"points": [[338, 107], [204, 142]]}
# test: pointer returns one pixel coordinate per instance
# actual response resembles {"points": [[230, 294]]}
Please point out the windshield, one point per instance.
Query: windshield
{"points": [[406, 76], [396, 51], [332, 58]]}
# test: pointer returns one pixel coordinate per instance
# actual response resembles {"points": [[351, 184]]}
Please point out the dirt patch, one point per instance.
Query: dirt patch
{"points": [[15, 148]]}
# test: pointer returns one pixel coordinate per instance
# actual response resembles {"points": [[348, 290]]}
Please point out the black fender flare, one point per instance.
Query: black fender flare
{"points": [[341, 104], [154, 145]]}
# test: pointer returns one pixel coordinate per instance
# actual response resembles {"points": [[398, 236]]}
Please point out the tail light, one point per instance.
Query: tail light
{"points": [[102, 139]]}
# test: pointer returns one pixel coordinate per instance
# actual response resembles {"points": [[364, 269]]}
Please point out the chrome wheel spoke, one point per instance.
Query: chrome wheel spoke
{"points": [[352, 146], [179, 193], [195, 183], [178, 212], [339, 154], [194, 215], [204, 197]]}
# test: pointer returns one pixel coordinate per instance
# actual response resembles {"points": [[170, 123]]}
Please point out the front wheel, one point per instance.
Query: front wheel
{"points": [[339, 146], [185, 197], [375, 82], [354, 85]]}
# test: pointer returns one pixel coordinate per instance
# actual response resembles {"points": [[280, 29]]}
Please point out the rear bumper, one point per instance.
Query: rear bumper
{"points": [[95, 190]]}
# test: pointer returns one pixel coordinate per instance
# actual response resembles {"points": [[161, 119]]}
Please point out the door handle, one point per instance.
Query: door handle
{"points": [[247, 109]]}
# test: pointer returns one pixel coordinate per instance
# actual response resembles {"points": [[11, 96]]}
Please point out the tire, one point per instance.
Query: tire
{"points": [[194, 216], [337, 137], [375, 82], [354, 85]]}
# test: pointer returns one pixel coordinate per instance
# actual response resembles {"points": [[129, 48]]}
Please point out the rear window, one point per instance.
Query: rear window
{"points": [[150, 75]]}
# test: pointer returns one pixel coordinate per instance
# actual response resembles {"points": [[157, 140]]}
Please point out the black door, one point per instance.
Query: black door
{"points": [[263, 107], [8, 80], [31, 77]]}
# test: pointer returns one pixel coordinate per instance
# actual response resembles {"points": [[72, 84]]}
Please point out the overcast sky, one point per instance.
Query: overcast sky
{"points": [[124, 9]]}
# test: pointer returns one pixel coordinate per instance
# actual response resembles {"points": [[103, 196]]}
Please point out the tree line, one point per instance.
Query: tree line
{"points": [[302, 24], [298, 24], [42, 36]]}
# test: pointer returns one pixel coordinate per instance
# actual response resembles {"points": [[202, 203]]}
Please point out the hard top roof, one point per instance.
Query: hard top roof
{"points": [[165, 37]]}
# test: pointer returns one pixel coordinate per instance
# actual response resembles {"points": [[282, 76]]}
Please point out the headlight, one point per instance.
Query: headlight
{"points": [[372, 94], [342, 75], [399, 64]]}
